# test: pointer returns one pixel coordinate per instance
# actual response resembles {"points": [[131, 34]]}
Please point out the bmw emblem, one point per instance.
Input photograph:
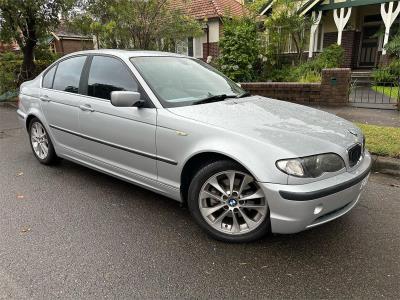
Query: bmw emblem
{"points": [[232, 202]]}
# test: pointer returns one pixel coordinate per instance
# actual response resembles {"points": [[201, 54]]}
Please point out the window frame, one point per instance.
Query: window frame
{"points": [[55, 64], [85, 79]]}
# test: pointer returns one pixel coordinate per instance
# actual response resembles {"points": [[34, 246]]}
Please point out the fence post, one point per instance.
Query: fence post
{"points": [[398, 94], [335, 86]]}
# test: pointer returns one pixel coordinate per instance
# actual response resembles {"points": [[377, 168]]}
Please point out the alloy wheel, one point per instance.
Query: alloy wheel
{"points": [[39, 140], [232, 202]]}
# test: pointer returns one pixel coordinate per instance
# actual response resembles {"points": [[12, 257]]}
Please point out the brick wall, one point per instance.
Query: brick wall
{"points": [[335, 86], [289, 91], [333, 90], [214, 50], [348, 43]]}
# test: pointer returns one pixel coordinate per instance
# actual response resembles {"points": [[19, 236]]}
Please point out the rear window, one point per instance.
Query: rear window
{"points": [[68, 74], [48, 78]]}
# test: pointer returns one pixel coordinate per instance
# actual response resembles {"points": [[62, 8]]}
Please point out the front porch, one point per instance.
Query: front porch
{"points": [[362, 27]]}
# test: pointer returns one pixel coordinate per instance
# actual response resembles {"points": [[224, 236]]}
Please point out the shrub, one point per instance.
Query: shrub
{"points": [[10, 64], [393, 47], [388, 74], [310, 71], [283, 74], [331, 57], [10, 67], [381, 76], [240, 49], [311, 77]]}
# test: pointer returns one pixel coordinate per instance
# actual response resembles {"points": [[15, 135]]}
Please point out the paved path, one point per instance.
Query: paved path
{"points": [[381, 117], [77, 233]]}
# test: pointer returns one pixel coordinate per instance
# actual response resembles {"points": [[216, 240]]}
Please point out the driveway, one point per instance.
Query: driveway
{"points": [[70, 232]]}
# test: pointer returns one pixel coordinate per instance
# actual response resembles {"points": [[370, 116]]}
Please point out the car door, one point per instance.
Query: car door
{"points": [[60, 100], [117, 138]]}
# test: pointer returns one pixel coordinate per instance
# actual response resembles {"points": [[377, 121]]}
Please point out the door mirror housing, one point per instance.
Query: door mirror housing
{"points": [[126, 99]]}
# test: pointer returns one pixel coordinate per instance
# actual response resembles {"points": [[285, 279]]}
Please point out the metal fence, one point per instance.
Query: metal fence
{"points": [[385, 95]]}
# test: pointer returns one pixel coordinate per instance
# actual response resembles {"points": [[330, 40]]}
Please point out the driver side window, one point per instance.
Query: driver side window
{"points": [[108, 74]]}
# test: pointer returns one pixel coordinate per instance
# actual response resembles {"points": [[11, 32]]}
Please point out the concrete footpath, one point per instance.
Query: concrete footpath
{"points": [[381, 117]]}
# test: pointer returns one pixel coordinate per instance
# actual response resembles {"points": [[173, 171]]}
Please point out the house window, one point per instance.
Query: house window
{"points": [[181, 47], [186, 47], [190, 51]]}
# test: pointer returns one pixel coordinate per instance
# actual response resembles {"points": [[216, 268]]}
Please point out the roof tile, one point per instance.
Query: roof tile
{"points": [[201, 9]]}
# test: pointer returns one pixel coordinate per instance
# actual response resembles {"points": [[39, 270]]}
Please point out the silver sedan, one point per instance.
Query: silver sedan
{"points": [[244, 165]]}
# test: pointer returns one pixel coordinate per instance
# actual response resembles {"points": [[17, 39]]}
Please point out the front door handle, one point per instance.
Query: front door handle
{"points": [[86, 107], [45, 98]]}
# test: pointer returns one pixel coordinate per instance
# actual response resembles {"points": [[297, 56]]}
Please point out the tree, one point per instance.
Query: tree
{"points": [[240, 48], [26, 22], [151, 24], [286, 26]]}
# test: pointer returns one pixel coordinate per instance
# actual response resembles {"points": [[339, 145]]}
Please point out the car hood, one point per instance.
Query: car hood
{"points": [[299, 129]]}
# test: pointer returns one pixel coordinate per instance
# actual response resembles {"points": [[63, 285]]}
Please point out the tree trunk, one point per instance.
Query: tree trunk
{"points": [[28, 64]]}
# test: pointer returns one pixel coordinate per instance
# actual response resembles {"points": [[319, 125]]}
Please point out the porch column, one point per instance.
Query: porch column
{"points": [[388, 18], [315, 23], [341, 21]]}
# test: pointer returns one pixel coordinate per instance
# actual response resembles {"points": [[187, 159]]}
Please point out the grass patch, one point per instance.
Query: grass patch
{"points": [[381, 140], [391, 92]]}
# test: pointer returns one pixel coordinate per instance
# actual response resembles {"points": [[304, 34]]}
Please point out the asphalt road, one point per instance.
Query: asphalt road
{"points": [[70, 232]]}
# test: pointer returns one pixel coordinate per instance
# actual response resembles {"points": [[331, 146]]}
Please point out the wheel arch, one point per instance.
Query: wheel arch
{"points": [[195, 163], [29, 119]]}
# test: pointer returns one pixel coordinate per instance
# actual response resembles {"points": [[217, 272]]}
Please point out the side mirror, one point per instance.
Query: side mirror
{"points": [[126, 99]]}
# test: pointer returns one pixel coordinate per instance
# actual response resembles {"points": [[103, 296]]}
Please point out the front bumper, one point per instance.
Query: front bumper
{"points": [[294, 208]]}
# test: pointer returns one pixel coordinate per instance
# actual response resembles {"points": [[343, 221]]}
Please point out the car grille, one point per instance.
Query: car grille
{"points": [[355, 154]]}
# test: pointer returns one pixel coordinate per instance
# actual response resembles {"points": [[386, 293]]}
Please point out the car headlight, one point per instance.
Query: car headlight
{"points": [[311, 166]]}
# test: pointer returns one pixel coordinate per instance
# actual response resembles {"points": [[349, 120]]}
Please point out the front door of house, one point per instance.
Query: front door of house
{"points": [[369, 46]]}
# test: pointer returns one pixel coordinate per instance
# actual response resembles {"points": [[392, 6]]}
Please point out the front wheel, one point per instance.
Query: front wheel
{"points": [[228, 203], [41, 144]]}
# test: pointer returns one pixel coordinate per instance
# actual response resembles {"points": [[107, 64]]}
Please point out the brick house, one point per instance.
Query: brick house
{"points": [[362, 27], [64, 42], [9, 47], [210, 14]]}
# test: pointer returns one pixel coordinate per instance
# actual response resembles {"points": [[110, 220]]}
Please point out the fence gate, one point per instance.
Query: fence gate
{"points": [[366, 93]]}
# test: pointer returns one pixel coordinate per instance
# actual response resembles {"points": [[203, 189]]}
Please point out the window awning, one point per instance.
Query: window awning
{"points": [[335, 4]]}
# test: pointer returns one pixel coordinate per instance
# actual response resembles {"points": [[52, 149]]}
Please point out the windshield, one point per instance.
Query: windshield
{"points": [[181, 81]]}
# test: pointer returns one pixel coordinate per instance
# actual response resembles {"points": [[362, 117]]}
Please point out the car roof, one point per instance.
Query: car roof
{"points": [[128, 53]]}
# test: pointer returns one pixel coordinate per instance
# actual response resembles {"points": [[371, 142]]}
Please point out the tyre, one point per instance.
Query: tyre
{"points": [[227, 202], [41, 144]]}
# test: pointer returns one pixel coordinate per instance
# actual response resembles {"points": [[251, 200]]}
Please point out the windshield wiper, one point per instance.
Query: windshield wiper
{"points": [[214, 98], [245, 94]]}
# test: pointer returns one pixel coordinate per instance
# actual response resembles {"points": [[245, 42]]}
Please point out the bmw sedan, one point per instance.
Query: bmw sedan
{"points": [[244, 165]]}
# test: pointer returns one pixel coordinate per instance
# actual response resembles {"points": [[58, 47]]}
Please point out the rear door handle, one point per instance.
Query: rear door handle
{"points": [[86, 107], [45, 98]]}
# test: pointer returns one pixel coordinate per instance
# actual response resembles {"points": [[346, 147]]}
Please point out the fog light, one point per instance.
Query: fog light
{"points": [[318, 209]]}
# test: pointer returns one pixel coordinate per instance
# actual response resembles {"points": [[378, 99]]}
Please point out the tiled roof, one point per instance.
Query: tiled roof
{"points": [[63, 31], [201, 9]]}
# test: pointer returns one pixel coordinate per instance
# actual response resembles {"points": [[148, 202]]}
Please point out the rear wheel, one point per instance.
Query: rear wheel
{"points": [[228, 203], [40, 142]]}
